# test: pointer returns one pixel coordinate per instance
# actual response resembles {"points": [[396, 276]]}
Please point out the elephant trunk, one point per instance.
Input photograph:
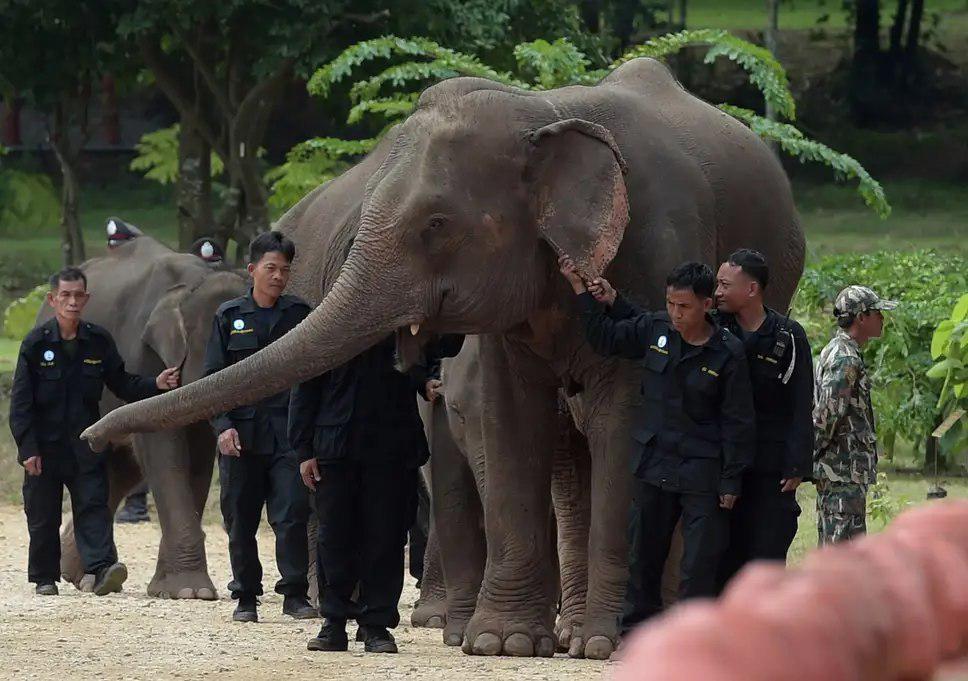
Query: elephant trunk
{"points": [[357, 313]]}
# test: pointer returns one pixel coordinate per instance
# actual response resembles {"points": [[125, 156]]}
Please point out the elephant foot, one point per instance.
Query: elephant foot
{"points": [[430, 613], [86, 584], [565, 629], [183, 585], [500, 634], [593, 643], [454, 631]]}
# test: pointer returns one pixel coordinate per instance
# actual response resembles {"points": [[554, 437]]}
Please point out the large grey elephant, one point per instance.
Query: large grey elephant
{"points": [[158, 306], [459, 214]]}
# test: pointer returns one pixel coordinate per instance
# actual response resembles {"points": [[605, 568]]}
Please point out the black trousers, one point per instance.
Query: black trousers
{"points": [[364, 514], [762, 525], [653, 517], [249, 482], [86, 479]]}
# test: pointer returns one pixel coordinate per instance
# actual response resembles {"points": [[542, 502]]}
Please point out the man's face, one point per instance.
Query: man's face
{"points": [[871, 323], [68, 300], [271, 274], [734, 288], [686, 309]]}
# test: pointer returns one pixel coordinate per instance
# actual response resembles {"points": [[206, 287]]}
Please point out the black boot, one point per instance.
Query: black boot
{"points": [[135, 509], [298, 607], [331, 637], [46, 589], [246, 611], [110, 579], [379, 640]]}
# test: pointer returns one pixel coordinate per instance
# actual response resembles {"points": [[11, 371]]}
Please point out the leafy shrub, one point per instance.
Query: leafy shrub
{"points": [[949, 347], [927, 284], [20, 315]]}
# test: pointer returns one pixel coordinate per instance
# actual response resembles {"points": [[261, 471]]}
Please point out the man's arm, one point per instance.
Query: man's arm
{"points": [[738, 424], [833, 399], [627, 337], [22, 410], [216, 359], [799, 452], [622, 308], [303, 405], [129, 387]]}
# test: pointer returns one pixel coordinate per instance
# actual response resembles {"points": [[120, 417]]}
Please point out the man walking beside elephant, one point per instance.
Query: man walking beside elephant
{"points": [[694, 437], [257, 467], [63, 366]]}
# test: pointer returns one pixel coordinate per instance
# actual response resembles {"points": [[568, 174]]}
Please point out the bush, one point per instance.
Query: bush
{"points": [[927, 284], [20, 315]]}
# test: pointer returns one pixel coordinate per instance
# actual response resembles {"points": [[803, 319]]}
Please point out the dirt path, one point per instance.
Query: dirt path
{"points": [[131, 636]]}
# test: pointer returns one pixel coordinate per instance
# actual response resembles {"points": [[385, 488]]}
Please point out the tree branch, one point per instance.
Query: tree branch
{"points": [[259, 101], [206, 72]]}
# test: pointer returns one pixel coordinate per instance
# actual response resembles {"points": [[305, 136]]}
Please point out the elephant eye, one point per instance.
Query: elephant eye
{"points": [[436, 222]]}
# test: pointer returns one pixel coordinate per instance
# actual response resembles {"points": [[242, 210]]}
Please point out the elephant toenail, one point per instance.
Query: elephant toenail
{"points": [[576, 648], [487, 644], [519, 645], [206, 594], [452, 639], [435, 622], [546, 647], [599, 648], [185, 592]]}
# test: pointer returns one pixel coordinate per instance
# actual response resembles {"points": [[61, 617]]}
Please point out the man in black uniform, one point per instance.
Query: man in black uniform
{"points": [[361, 442], [764, 521], [63, 366], [257, 467], [694, 438]]}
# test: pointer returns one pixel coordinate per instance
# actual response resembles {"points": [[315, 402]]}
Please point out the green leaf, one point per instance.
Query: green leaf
{"points": [[21, 314], [939, 341], [960, 313], [940, 370]]}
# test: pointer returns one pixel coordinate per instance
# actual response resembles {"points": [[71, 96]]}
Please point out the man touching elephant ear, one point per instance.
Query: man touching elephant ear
{"points": [[580, 201]]}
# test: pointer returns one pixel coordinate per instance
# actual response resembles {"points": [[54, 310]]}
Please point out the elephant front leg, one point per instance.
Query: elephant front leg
{"points": [[430, 610], [175, 481], [515, 607], [607, 407]]}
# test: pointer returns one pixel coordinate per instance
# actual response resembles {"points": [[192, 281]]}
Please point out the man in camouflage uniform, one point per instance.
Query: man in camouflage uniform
{"points": [[845, 451]]}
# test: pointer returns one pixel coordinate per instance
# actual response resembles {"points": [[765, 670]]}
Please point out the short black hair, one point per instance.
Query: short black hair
{"points": [[695, 276], [271, 242], [753, 264], [67, 274]]}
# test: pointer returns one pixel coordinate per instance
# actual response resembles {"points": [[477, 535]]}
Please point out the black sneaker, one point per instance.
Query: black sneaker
{"points": [[110, 579], [331, 637], [298, 607], [48, 589], [379, 640], [246, 611]]}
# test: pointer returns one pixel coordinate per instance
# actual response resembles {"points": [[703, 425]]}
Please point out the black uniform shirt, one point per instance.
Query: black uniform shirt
{"points": [[56, 396], [242, 328], [696, 429], [784, 422]]}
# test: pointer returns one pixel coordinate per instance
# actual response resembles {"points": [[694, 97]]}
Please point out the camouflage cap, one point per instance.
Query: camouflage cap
{"points": [[857, 299]]}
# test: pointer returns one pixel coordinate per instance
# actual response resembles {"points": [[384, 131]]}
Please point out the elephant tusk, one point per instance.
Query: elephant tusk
{"points": [[414, 329]]}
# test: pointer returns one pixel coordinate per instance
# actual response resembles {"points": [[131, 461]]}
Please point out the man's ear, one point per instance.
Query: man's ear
{"points": [[580, 203]]}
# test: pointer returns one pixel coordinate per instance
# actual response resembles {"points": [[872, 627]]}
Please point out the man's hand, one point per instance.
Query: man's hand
{"points": [[433, 389], [568, 269], [309, 470], [168, 379], [229, 443], [603, 291], [33, 466], [727, 501], [790, 484]]}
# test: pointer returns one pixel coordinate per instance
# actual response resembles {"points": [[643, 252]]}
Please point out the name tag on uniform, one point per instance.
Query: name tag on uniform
{"points": [[707, 370], [766, 359], [656, 348], [92, 361]]}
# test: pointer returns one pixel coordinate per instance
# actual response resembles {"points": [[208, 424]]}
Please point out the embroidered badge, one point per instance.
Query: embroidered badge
{"points": [[662, 341], [49, 356], [238, 325]]}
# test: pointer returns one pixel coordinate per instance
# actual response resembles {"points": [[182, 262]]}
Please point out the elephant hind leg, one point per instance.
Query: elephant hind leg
{"points": [[430, 610], [124, 474]]}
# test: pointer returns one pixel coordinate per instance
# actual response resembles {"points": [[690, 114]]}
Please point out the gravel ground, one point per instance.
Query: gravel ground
{"points": [[131, 636]]}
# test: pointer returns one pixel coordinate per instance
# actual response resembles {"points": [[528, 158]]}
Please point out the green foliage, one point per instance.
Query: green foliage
{"points": [[551, 65], [883, 506], [927, 284], [765, 72], [28, 203], [309, 164], [20, 315], [157, 156], [797, 145], [949, 350]]}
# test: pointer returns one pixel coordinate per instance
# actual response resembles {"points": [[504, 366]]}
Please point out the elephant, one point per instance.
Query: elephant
{"points": [[158, 306], [456, 220]]}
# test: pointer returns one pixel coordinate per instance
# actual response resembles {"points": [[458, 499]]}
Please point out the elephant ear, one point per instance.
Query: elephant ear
{"points": [[580, 202], [165, 332]]}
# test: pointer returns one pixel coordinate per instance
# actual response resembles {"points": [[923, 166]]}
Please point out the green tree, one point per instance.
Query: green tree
{"points": [[52, 52]]}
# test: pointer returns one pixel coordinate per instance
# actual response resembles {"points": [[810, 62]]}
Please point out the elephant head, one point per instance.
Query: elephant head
{"points": [[458, 231]]}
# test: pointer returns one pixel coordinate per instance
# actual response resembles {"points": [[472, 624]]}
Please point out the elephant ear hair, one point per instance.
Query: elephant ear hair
{"points": [[165, 332], [579, 198]]}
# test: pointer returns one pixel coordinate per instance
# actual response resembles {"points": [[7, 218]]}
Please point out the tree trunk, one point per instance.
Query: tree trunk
{"points": [[772, 30], [914, 30], [624, 20], [193, 192], [590, 14], [110, 120], [682, 14], [72, 240], [10, 128], [866, 30], [865, 78], [897, 27]]}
